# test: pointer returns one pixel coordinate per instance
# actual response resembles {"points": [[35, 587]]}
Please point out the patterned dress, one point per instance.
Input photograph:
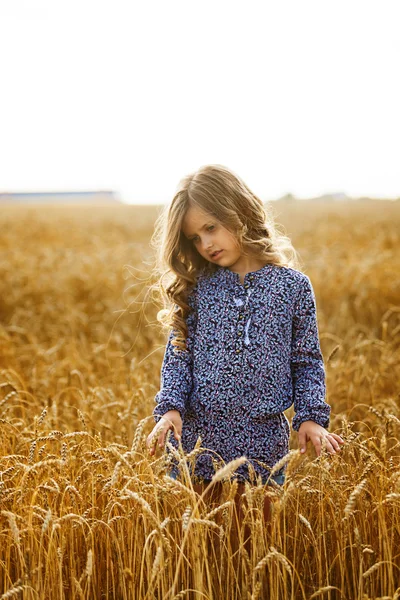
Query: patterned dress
{"points": [[252, 351]]}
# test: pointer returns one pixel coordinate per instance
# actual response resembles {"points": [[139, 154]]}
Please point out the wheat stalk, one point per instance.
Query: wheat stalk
{"points": [[349, 508], [13, 525], [89, 563], [375, 567], [228, 469], [322, 590]]}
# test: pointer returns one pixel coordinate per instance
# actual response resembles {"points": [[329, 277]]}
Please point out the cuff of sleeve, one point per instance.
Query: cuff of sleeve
{"points": [[320, 416], [164, 406]]}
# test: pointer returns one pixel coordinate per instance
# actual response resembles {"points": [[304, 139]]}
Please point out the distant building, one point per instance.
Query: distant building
{"points": [[78, 197], [336, 197], [287, 198]]}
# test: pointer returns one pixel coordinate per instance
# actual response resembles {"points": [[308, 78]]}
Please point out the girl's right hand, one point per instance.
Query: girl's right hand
{"points": [[171, 419]]}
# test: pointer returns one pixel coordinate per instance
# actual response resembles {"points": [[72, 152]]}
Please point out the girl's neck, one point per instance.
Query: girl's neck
{"points": [[246, 264]]}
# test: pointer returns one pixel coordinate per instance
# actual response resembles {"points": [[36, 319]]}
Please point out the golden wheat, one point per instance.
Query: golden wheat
{"points": [[87, 513]]}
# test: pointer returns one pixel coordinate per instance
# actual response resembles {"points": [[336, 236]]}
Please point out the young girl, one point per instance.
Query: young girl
{"points": [[244, 341]]}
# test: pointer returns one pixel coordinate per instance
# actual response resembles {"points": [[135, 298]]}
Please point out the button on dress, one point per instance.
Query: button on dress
{"points": [[252, 351]]}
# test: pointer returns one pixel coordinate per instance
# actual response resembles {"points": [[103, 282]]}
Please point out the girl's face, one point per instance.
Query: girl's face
{"points": [[208, 236]]}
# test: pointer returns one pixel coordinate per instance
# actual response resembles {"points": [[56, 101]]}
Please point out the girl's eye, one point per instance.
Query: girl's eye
{"points": [[209, 228]]}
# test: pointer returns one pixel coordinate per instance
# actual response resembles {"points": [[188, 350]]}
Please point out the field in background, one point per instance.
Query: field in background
{"points": [[86, 513]]}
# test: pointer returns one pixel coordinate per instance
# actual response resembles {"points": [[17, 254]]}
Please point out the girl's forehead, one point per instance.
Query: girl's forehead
{"points": [[194, 219]]}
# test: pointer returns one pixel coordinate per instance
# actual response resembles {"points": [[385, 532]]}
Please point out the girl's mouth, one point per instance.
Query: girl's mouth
{"points": [[216, 255]]}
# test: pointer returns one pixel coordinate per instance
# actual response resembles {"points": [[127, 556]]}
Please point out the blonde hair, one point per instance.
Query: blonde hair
{"points": [[216, 190]]}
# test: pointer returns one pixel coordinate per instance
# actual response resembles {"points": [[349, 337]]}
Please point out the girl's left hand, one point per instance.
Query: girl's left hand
{"points": [[310, 430]]}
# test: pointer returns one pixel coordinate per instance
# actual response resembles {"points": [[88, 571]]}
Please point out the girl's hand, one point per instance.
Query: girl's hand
{"points": [[171, 419], [309, 430]]}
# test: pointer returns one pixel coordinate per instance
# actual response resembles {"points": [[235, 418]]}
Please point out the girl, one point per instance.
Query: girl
{"points": [[244, 342]]}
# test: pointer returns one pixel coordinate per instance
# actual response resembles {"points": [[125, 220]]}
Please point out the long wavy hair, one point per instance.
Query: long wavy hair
{"points": [[216, 190]]}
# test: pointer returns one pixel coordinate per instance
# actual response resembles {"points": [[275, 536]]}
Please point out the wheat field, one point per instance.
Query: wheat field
{"points": [[86, 513]]}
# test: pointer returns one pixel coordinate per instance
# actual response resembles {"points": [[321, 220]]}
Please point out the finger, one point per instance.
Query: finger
{"points": [[161, 439], [317, 445], [302, 441], [177, 432], [330, 447], [152, 438], [153, 442], [151, 445], [334, 442], [327, 445]]}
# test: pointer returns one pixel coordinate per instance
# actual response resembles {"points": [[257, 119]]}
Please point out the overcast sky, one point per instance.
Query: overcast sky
{"points": [[295, 96]]}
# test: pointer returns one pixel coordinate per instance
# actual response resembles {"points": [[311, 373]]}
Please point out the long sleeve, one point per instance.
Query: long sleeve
{"points": [[307, 363], [177, 369]]}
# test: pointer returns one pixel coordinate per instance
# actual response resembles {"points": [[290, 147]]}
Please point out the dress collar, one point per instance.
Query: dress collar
{"points": [[227, 274]]}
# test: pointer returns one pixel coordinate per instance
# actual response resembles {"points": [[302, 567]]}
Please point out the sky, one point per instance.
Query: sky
{"points": [[295, 97]]}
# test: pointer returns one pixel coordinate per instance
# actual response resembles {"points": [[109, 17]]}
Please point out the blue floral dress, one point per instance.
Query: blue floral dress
{"points": [[252, 351]]}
